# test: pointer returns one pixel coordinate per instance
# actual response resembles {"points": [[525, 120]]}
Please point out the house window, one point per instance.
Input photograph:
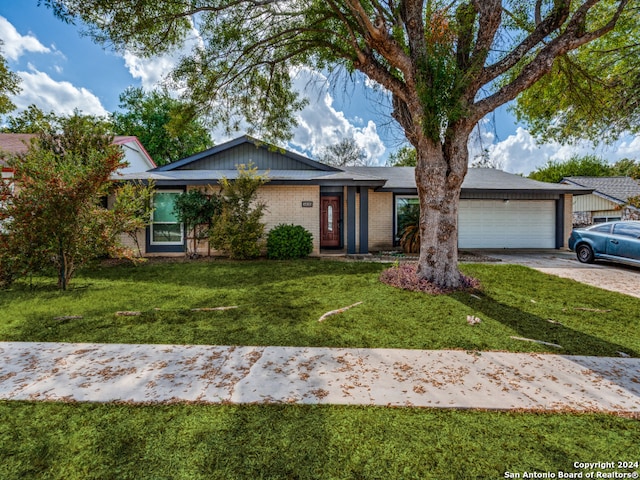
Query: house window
{"points": [[605, 219], [407, 212], [165, 227]]}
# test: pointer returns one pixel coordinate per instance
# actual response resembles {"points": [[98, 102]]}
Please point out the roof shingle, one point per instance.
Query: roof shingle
{"points": [[617, 189]]}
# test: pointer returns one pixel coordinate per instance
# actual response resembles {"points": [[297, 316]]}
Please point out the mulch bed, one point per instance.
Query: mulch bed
{"points": [[405, 276]]}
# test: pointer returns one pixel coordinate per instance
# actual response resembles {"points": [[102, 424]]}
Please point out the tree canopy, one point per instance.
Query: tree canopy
{"points": [[9, 84], [345, 153], [55, 218], [444, 65], [589, 93], [585, 166], [157, 119], [31, 120], [403, 157]]}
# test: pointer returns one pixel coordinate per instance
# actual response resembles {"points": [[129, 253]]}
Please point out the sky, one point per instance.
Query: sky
{"points": [[61, 70]]}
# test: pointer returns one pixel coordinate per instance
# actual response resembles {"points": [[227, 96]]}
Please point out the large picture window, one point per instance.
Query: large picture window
{"points": [[407, 212], [165, 227]]}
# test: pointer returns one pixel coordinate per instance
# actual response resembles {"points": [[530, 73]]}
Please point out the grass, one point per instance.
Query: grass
{"points": [[279, 303], [83, 441]]}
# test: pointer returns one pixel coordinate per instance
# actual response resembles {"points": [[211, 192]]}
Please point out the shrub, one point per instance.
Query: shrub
{"points": [[409, 228], [7, 272], [196, 210], [289, 241], [237, 230]]}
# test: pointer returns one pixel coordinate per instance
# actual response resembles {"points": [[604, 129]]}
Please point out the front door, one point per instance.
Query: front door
{"points": [[330, 222]]}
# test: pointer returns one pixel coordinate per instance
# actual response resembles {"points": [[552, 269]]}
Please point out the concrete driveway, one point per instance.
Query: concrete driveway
{"points": [[609, 276]]}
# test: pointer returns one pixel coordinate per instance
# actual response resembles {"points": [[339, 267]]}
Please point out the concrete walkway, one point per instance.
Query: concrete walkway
{"points": [[217, 374]]}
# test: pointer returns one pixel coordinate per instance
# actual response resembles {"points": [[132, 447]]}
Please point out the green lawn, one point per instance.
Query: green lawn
{"points": [[82, 441], [279, 303]]}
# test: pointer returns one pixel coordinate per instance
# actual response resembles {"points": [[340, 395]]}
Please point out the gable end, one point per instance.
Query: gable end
{"points": [[245, 153]]}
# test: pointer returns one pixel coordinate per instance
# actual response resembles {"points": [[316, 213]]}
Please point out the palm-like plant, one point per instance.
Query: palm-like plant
{"points": [[409, 227]]}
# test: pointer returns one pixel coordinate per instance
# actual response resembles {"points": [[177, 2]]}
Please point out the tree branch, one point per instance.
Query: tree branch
{"points": [[573, 37]]}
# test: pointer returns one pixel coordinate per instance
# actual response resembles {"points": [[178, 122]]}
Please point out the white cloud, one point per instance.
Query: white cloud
{"points": [[15, 44], [49, 95], [153, 71], [321, 125], [520, 153], [630, 148], [150, 71]]}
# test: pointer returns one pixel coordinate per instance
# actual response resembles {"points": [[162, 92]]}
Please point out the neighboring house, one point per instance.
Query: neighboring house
{"points": [[355, 209], [608, 202], [134, 153]]}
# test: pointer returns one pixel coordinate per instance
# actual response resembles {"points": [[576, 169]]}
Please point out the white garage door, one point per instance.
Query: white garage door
{"points": [[507, 224]]}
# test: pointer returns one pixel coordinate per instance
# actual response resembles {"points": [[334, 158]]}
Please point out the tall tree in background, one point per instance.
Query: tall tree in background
{"points": [[444, 64], [31, 120], [577, 166], [156, 119], [403, 157], [345, 153], [585, 166], [627, 167], [9, 85]]}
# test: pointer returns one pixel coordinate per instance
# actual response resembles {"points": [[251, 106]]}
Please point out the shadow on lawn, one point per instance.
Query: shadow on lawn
{"points": [[531, 326], [228, 273]]}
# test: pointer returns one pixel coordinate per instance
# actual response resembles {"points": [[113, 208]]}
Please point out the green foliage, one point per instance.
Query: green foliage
{"points": [[31, 120], [88, 441], [196, 210], [588, 166], [440, 82], [409, 227], [55, 220], [289, 241], [131, 210], [238, 230], [634, 201], [592, 92], [77, 134], [9, 85], [61, 134], [403, 157], [163, 124], [58, 440], [9, 265], [626, 168]]}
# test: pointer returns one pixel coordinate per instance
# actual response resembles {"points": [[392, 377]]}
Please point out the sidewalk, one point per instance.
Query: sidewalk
{"points": [[216, 374]]}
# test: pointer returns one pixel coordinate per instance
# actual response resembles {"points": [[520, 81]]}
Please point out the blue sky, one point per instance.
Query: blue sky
{"points": [[61, 70]]}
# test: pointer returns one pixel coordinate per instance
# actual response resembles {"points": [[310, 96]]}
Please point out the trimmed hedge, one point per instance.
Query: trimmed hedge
{"points": [[289, 241]]}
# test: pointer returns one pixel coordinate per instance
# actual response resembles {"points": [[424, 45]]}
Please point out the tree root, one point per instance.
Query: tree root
{"points": [[335, 312]]}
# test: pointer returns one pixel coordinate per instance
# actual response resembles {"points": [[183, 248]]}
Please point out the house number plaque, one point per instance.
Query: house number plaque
{"points": [[307, 204]]}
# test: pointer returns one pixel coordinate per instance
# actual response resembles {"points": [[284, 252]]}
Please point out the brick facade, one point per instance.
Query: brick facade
{"points": [[381, 216]]}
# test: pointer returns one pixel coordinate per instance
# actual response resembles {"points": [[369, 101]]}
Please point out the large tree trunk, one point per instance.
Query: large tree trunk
{"points": [[439, 174]]}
